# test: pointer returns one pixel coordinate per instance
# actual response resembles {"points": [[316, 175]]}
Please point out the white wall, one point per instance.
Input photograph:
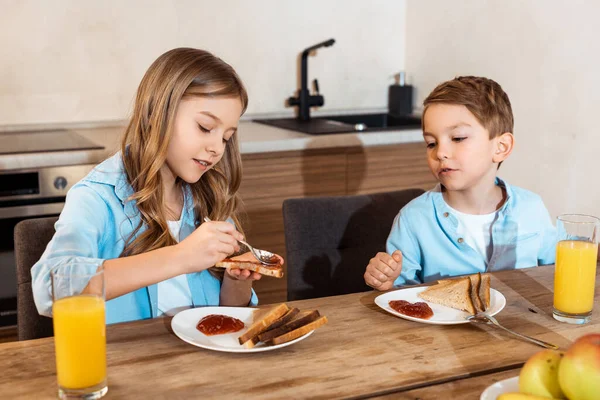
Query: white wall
{"points": [[73, 61], [546, 56]]}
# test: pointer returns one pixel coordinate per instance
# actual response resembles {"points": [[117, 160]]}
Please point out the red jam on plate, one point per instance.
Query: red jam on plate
{"points": [[216, 324], [416, 310]]}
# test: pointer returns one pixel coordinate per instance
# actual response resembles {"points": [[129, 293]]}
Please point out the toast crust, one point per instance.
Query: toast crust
{"points": [[301, 319], [303, 330], [284, 319], [484, 290], [475, 287]]}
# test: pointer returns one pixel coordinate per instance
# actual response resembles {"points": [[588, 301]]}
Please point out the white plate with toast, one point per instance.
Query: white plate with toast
{"points": [[184, 326], [442, 315]]}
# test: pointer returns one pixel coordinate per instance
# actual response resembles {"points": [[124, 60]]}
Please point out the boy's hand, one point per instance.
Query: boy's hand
{"points": [[383, 270]]}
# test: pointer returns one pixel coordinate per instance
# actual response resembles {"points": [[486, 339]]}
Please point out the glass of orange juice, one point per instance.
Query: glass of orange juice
{"points": [[79, 330], [575, 272]]}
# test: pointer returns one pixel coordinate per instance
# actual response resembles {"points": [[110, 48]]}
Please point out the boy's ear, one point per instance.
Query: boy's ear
{"points": [[504, 145]]}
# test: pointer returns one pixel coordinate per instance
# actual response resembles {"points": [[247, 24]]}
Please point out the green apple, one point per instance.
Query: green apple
{"points": [[579, 371], [519, 396], [539, 375]]}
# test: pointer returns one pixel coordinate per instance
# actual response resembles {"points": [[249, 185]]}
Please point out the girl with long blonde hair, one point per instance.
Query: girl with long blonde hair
{"points": [[139, 212]]}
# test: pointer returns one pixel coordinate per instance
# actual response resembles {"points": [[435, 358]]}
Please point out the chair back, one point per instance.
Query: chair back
{"points": [[31, 238], [330, 240]]}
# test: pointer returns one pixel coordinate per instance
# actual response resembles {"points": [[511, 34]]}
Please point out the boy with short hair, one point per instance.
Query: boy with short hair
{"points": [[472, 221]]}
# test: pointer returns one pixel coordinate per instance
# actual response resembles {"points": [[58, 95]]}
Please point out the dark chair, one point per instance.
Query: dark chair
{"points": [[330, 240], [31, 238]]}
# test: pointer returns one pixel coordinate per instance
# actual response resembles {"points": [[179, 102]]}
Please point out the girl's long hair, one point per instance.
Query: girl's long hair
{"points": [[176, 74]]}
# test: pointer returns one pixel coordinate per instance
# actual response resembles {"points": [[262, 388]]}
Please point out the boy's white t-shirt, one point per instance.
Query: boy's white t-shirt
{"points": [[174, 294], [476, 230]]}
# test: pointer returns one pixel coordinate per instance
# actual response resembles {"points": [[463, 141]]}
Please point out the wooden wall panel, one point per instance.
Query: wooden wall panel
{"points": [[388, 168]]}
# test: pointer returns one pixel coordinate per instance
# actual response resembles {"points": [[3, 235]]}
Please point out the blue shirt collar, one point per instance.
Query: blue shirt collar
{"points": [[112, 172], [440, 203]]}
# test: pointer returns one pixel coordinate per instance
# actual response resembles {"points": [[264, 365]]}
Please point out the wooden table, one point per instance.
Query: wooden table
{"points": [[362, 352]]}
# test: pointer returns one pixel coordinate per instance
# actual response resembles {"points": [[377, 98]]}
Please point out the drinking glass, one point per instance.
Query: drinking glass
{"points": [[575, 271], [78, 296]]}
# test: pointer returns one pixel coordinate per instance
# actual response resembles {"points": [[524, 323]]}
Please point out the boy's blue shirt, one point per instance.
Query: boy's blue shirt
{"points": [[425, 231], [93, 226]]}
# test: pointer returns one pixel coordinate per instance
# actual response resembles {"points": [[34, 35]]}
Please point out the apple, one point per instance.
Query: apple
{"points": [[539, 375], [579, 371], [519, 396]]}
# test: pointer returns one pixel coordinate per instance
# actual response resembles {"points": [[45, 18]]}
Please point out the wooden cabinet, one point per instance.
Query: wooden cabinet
{"points": [[270, 178], [388, 168]]}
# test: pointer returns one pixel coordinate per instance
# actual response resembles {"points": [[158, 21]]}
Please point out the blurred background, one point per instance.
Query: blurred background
{"points": [[68, 61], [75, 66]]}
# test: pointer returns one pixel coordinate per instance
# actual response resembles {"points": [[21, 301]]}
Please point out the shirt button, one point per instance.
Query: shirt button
{"points": [[460, 240], [446, 214]]}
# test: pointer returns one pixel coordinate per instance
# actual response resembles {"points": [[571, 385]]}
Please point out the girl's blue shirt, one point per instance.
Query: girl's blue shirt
{"points": [[93, 226]]}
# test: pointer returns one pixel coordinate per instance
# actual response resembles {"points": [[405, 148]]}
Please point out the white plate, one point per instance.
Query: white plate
{"points": [[442, 315], [184, 325], [510, 385]]}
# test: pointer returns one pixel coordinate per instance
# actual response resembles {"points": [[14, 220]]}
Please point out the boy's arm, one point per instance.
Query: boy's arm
{"points": [[549, 237], [402, 238]]}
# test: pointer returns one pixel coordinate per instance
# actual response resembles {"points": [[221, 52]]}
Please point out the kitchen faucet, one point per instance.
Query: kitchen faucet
{"points": [[305, 100]]}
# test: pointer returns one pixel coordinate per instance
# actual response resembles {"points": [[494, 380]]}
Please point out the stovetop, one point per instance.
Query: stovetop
{"points": [[44, 141]]}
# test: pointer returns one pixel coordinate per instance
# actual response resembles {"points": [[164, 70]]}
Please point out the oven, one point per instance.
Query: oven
{"points": [[24, 194]]}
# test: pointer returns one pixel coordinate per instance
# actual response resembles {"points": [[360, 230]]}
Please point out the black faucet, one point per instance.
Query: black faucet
{"points": [[305, 100]]}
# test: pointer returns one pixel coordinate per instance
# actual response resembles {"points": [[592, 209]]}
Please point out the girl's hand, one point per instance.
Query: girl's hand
{"points": [[210, 243], [242, 274]]}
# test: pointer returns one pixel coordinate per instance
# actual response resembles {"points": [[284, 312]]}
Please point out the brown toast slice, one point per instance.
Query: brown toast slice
{"points": [[275, 271], [261, 324], [303, 318], [285, 318], [454, 293], [303, 330], [484, 290]]}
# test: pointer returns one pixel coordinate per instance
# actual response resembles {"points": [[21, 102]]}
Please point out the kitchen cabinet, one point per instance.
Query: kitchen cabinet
{"points": [[270, 178]]}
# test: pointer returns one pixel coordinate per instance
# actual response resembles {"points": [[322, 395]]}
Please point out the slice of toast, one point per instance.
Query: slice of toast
{"points": [[252, 265], [455, 293], [303, 318], [284, 319], [303, 330], [251, 343], [480, 290], [475, 286], [262, 323], [484, 290]]}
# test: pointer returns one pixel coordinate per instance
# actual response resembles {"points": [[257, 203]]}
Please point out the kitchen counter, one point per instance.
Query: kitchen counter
{"points": [[254, 138]]}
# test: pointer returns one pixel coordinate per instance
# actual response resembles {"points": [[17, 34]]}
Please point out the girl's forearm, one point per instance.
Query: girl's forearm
{"points": [[127, 274], [234, 292]]}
